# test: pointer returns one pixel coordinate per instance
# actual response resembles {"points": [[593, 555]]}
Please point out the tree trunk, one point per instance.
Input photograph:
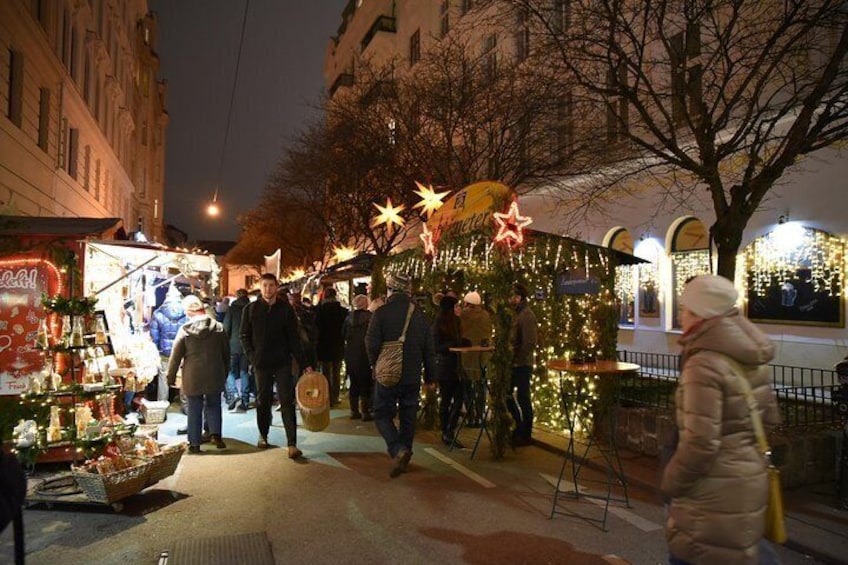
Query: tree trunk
{"points": [[727, 235]]}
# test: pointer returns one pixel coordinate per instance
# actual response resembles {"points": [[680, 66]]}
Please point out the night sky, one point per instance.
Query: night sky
{"points": [[280, 79]]}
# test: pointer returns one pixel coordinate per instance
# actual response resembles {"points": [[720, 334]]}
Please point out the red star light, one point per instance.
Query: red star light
{"points": [[511, 226]]}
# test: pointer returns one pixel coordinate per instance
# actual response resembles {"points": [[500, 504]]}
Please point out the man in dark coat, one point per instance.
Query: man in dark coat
{"points": [[239, 364], [270, 339], [330, 317], [356, 359], [418, 350], [308, 326]]}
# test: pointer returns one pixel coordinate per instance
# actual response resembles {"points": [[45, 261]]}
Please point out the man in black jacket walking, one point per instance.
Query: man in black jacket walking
{"points": [[270, 339], [418, 350]]}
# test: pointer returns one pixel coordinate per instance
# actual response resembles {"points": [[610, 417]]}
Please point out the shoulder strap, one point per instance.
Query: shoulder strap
{"points": [[753, 408], [406, 323]]}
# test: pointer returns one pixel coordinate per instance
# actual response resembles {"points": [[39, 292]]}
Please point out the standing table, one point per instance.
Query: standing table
{"points": [[485, 381], [609, 452]]}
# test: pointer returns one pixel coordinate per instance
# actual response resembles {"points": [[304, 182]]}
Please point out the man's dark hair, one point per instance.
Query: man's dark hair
{"points": [[268, 277], [329, 292], [241, 293], [520, 290]]}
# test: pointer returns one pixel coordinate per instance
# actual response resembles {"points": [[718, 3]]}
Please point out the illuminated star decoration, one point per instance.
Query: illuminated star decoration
{"points": [[342, 254], [430, 199], [427, 237], [511, 226], [389, 215]]}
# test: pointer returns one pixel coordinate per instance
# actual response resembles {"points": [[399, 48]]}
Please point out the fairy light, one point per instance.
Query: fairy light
{"points": [[774, 258]]}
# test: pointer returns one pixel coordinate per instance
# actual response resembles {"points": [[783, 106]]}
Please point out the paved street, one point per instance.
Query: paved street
{"points": [[340, 506]]}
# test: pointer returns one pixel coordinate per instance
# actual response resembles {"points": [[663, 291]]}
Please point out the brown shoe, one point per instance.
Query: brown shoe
{"points": [[219, 443], [263, 443], [401, 463], [294, 452]]}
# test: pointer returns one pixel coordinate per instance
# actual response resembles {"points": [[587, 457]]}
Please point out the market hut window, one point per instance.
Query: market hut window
{"points": [[690, 256], [795, 275], [625, 276]]}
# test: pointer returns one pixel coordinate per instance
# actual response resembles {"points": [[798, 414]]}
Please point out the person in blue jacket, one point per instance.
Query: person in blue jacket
{"points": [[164, 325]]}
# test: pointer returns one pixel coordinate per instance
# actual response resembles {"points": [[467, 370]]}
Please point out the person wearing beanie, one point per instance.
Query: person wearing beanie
{"points": [[202, 348], [446, 334], [716, 480], [401, 400], [475, 324], [356, 359], [523, 337]]}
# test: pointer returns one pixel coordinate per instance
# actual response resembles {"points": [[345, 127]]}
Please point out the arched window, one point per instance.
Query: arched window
{"points": [[795, 275], [690, 256], [625, 276]]}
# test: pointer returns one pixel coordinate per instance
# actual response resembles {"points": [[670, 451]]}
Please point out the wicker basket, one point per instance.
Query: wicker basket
{"points": [[165, 464], [154, 412], [111, 487]]}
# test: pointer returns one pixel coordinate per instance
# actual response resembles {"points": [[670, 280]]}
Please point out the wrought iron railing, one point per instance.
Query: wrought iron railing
{"points": [[806, 397]]}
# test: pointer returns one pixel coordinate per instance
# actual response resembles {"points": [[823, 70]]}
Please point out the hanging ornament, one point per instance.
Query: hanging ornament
{"points": [[430, 199], [429, 243], [511, 226], [389, 215]]}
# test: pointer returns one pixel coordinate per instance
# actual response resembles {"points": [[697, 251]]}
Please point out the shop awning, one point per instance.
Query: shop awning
{"points": [[359, 266], [55, 226]]}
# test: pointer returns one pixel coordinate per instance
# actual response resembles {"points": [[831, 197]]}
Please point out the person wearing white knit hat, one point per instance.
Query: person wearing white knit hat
{"points": [[716, 479], [708, 296]]}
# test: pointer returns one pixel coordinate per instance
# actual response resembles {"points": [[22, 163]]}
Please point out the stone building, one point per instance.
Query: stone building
{"points": [[84, 114], [791, 266]]}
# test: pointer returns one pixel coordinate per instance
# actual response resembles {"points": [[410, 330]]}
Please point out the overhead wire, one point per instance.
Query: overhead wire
{"points": [[230, 108]]}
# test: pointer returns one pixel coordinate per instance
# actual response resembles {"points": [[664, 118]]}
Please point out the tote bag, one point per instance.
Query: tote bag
{"points": [[389, 365]]}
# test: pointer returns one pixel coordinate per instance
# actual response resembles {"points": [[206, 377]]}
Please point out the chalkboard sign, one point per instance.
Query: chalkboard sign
{"points": [[570, 283], [795, 300]]}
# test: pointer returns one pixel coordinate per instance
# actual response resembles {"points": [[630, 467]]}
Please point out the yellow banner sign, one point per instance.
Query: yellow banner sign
{"points": [[470, 209]]}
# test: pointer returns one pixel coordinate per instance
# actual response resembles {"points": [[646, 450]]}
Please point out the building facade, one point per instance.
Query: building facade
{"points": [[792, 263], [84, 114]]}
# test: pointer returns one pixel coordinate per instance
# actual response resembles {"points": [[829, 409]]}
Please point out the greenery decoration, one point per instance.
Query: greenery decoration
{"points": [[61, 305], [571, 326]]}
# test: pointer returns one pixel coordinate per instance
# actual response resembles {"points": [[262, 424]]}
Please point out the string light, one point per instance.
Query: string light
{"points": [[775, 258]]}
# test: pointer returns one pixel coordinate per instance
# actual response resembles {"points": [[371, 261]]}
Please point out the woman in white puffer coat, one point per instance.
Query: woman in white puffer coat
{"points": [[717, 476]]}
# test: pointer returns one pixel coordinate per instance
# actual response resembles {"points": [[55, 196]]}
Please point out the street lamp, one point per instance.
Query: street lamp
{"points": [[213, 210]]}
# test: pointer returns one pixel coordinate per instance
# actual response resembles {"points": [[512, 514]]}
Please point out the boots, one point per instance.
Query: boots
{"points": [[355, 414], [366, 410]]}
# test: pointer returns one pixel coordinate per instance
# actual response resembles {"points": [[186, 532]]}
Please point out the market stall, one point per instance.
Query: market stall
{"points": [[74, 307], [480, 241], [130, 280]]}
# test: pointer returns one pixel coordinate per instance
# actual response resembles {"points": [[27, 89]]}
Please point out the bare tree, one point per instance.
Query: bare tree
{"points": [[729, 93]]}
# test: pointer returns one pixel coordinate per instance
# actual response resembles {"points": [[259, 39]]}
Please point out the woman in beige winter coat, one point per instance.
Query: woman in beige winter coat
{"points": [[717, 476]]}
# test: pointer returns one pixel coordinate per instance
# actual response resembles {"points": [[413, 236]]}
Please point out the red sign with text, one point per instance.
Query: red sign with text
{"points": [[23, 279]]}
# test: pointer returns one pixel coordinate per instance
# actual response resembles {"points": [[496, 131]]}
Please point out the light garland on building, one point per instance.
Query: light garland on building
{"points": [[688, 264], [777, 256]]}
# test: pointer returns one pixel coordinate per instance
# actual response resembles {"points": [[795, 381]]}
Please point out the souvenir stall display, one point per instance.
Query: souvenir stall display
{"points": [[130, 280], [73, 314]]}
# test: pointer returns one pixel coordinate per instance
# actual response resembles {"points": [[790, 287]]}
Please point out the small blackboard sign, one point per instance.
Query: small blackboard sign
{"points": [[570, 283]]}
